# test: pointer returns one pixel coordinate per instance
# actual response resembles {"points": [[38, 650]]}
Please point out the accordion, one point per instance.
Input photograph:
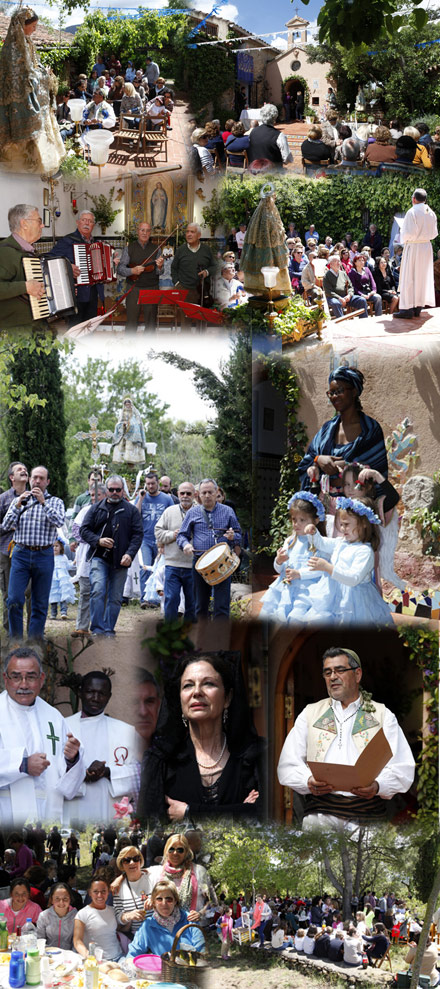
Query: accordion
{"points": [[59, 285], [95, 262]]}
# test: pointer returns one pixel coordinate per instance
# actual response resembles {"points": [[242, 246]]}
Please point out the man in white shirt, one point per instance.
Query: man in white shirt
{"points": [[41, 762], [111, 753], [337, 732], [99, 113]]}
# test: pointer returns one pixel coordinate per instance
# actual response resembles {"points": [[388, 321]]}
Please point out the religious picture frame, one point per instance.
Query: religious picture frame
{"points": [[45, 197], [46, 217]]}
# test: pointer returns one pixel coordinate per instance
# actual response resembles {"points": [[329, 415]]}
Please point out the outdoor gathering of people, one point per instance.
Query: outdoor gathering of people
{"points": [[34, 127], [115, 546]]}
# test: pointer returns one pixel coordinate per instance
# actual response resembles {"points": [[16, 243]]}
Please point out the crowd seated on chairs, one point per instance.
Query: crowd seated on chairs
{"points": [[370, 147], [138, 99], [315, 928]]}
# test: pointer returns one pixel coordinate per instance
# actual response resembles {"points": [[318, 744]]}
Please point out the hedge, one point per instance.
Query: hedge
{"points": [[335, 205]]}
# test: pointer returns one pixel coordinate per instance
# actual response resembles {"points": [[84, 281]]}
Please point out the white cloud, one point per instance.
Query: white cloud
{"points": [[279, 41], [229, 11]]}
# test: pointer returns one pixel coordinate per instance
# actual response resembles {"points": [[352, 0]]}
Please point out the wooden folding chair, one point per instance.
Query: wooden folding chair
{"points": [[377, 962], [238, 169], [126, 135], [314, 164]]}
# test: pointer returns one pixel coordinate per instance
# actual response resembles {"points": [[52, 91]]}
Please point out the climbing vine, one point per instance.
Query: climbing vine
{"points": [[282, 376], [422, 644]]}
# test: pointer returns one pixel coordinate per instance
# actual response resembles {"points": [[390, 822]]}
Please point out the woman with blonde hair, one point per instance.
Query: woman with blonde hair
{"points": [[381, 148], [131, 102], [158, 931], [421, 156], [192, 881], [130, 890]]}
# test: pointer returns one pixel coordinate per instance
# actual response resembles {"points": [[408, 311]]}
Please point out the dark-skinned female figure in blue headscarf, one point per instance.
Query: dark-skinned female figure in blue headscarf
{"points": [[350, 437]]}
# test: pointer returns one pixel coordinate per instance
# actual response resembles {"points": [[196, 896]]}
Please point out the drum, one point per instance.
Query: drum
{"points": [[217, 564]]}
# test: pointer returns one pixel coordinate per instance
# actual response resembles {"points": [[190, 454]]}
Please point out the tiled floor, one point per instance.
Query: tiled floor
{"points": [[121, 160]]}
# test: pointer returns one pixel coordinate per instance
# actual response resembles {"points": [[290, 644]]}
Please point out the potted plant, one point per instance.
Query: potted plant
{"points": [[105, 215]]}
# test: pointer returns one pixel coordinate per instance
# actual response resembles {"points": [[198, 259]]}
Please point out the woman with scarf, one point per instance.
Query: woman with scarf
{"points": [[158, 931], [30, 138], [131, 891], [129, 436], [351, 436]]}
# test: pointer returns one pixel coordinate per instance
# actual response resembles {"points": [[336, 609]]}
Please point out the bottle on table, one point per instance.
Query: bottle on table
{"points": [[3, 933], [17, 974], [91, 971], [33, 971], [29, 936]]}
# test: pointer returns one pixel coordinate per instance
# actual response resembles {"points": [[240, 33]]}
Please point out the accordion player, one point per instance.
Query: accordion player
{"points": [[59, 287], [95, 262]]}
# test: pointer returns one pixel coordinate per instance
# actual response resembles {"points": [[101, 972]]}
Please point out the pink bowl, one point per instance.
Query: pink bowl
{"points": [[148, 963]]}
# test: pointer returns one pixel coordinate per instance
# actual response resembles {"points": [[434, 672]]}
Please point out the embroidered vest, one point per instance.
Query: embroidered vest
{"points": [[322, 728]]}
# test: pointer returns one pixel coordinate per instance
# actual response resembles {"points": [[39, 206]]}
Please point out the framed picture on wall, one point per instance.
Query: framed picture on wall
{"points": [[45, 197], [46, 217]]}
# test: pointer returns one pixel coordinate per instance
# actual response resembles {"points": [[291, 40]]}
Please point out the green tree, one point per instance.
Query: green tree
{"points": [[97, 388], [405, 87], [231, 395], [353, 24], [36, 434], [190, 453], [116, 34]]}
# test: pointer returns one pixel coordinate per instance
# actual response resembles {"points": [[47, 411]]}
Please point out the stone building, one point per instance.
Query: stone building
{"points": [[291, 70]]}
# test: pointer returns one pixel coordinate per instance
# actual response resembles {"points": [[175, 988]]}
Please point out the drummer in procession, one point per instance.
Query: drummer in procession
{"points": [[203, 527]]}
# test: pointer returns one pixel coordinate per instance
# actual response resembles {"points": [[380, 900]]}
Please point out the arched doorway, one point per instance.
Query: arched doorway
{"points": [[291, 87], [387, 674]]}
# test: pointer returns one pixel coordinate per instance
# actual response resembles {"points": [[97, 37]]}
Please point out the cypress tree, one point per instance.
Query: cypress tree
{"points": [[36, 435]]}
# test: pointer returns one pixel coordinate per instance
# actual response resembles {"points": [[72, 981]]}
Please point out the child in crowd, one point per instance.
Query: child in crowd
{"points": [[299, 939], [62, 591], [226, 925], [287, 598], [346, 592], [309, 940]]}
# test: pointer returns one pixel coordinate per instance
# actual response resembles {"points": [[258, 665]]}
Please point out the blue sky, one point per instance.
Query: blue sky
{"points": [[258, 18]]}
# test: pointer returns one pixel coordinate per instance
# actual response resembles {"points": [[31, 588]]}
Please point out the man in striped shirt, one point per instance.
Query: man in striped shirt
{"points": [[34, 516]]}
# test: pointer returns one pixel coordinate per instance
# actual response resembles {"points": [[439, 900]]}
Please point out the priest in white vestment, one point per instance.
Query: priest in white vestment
{"points": [[416, 281], [337, 731], [41, 763], [112, 753]]}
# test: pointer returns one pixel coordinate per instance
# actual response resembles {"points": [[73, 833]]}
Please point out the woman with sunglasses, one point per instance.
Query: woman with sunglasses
{"points": [[130, 891], [158, 931], [192, 882]]}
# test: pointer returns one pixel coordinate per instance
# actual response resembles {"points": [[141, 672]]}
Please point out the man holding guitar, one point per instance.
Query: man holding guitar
{"points": [[141, 263]]}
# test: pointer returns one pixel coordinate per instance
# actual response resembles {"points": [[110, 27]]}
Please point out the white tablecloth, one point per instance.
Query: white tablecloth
{"points": [[246, 116]]}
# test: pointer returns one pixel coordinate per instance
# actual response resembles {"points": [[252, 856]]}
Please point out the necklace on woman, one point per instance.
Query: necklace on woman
{"points": [[342, 722], [214, 764]]}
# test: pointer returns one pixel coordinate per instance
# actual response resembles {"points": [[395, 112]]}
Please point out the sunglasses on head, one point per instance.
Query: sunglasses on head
{"points": [[133, 858]]}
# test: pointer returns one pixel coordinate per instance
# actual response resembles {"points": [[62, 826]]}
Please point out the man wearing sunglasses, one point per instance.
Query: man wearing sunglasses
{"points": [[113, 529], [337, 731]]}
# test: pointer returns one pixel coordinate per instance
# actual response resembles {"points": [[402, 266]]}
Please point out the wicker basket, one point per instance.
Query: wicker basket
{"points": [[177, 970]]}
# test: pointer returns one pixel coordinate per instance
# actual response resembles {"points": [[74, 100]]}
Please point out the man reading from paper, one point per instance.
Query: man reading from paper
{"points": [[337, 732], [41, 762], [111, 752]]}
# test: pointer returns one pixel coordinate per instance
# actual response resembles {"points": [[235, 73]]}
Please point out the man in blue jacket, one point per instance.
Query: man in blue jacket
{"points": [[113, 529]]}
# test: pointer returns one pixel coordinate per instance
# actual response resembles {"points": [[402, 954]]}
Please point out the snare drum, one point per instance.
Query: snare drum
{"points": [[217, 564]]}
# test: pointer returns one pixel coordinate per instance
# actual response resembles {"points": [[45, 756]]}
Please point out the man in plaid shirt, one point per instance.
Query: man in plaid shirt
{"points": [[208, 524], [34, 516]]}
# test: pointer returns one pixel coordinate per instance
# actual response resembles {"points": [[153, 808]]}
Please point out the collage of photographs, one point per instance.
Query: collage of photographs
{"points": [[219, 495]]}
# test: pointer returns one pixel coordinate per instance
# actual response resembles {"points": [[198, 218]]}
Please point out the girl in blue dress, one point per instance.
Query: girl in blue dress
{"points": [[287, 599], [345, 593]]}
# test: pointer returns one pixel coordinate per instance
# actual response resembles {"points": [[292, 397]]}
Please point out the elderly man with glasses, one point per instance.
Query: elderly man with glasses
{"points": [[41, 762], [113, 529], [337, 731]]}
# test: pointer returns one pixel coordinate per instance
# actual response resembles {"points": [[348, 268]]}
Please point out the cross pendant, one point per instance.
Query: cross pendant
{"points": [[52, 737]]}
